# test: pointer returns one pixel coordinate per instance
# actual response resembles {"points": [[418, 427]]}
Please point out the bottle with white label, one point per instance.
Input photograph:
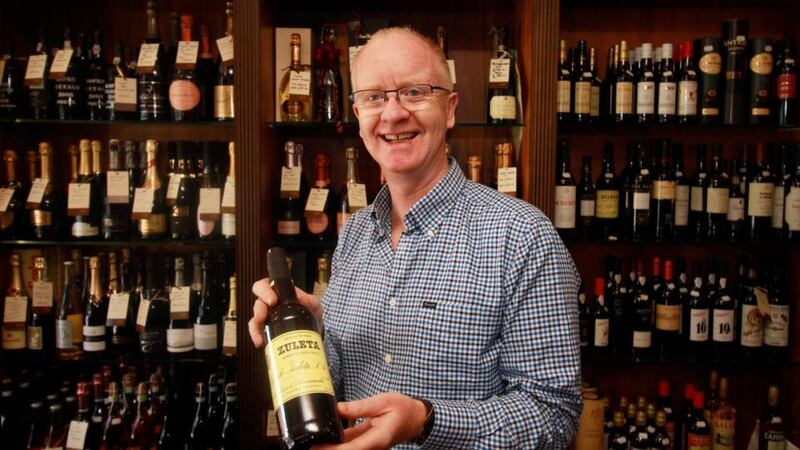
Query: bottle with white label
{"points": [[600, 330], [760, 197], [782, 174], [152, 80], [588, 196], [94, 321], [696, 320], [582, 76], [295, 92], [682, 193], [206, 322], [623, 88], [208, 227], [687, 86], [69, 318], [565, 195], [777, 322], [15, 308], [120, 296], [749, 317], [41, 96], [646, 87], [662, 200], [502, 97], [185, 94], [723, 323], [641, 318], [791, 202], [717, 196], [697, 193], [293, 186], [40, 319], [180, 332], [638, 187], [667, 87], [229, 322]]}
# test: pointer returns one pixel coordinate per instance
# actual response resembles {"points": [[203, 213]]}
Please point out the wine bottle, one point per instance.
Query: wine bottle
{"points": [[119, 317], [117, 68], [717, 198], [791, 203], [564, 92], [207, 71], [786, 86], [152, 223], [623, 89], [128, 400], [116, 200], [113, 425], [697, 206], [777, 321], [565, 195], [709, 64], [84, 210], [618, 439], [502, 97], [182, 212], [11, 104], [637, 193], [641, 319], [667, 87], [734, 39], [230, 422], [594, 102], [290, 206], [57, 431], [295, 94], [69, 84], [771, 428], [141, 431], [607, 192], [696, 320], [328, 93], [15, 309], [781, 182], [698, 433], [308, 416], [723, 323], [662, 200], [736, 203], [600, 320], [151, 85], [582, 86], [352, 196], [760, 197], [185, 97], [96, 80], [228, 207], [198, 434], [214, 412], [152, 318], [641, 440], [750, 320], [41, 96], [69, 318], [646, 87], [12, 201], [94, 321], [609, 88], [206, 322], [585, 325], [180, 333], [760, 75], [208, 226], [47, 211], [682, 193], [687, 86], [588, 197], [223, 91], [668, 317]]}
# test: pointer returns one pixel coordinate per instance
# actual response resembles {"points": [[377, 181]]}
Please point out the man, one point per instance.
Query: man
{"points": [[451, 314]]}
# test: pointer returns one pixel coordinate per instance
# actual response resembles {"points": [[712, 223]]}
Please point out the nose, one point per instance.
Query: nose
{"points": [[393, 111]]}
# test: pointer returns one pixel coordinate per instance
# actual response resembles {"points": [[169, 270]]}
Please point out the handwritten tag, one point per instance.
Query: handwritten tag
{"points": [[356, 196], [5, 198], [507, 180], [60, 63], [15, 310], [179, 302], [225, 46], [290, 181], [118, 308], [187, 54], [499, 73], [78, 199], [762, 299], [316, 200], [143, 203], [172, 188], [300, 83], [209, 204], [229, 196], [77, 435], [451, 66], [37, 192], [42, 295], [141, 315], [34, 72], [125, 97], [148, 55], [117, 186]]}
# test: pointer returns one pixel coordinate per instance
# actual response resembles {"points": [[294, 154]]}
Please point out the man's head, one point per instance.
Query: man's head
{"points": [[404, 138]]}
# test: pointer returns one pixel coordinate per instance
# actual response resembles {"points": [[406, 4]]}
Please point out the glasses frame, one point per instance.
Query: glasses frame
{"points": [[386, 92]]}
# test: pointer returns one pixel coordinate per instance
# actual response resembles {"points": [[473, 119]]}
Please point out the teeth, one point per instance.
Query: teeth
{"points": [[399, 137]]}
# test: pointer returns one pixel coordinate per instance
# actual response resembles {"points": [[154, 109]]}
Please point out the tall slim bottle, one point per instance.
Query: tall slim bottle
{"points": [[346, 206], [40, 320], [152, 83], [16, 301], [564, 93], [185, 96], [760, 197], [116, 203], [119, 285], [13, 220], [180, 335], [206, 322], [717, 195], [223, 91], [182, 219], [229, 216], [46, 217], [154, 225], [86, 223], [646, 87], [69, 88], [687, 87], [69, 319], [94, 321], [607, 203], [153, 332], [96, 80], [623, 92], [41, 97], [207, 228], [328, 94], [588, 197], [565, 195], [662, 200]]}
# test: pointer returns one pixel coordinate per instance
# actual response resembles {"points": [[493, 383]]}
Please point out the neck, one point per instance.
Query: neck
{"points": [[407, 190]]}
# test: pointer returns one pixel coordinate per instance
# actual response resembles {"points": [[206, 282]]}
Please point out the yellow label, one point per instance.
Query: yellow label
{"points": [[297, 366], [711, 63], [668, 317], [761, 63], [664, 190], [77, 327], [607, 206]]}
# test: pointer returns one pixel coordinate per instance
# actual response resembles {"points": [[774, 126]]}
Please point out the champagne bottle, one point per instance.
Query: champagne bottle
{"points": [[206, 322], [96, 80], [121, 330], [296, 98], [13, 218], [151, 85], [502, 96], [320, 221], [185, 96], [474, 166], [69, 319], [229, 322], [154, 224], [207, 73], [223, 91], [116, 202], [94, 321], [198, 434], [153, 315], [230, 422], [180, 334], [309, 415], [113, 425], [46, 215], [86, 223], [40, 320], [229, 216], [16, 305]]}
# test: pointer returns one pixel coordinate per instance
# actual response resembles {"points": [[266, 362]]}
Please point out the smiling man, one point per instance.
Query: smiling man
{"points": [[451, 313]]}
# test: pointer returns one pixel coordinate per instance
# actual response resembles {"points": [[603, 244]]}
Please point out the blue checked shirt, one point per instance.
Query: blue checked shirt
{"points": [[476, 310]]}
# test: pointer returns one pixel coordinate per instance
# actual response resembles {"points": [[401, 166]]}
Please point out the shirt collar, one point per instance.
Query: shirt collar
{"points": [[429, 211]]}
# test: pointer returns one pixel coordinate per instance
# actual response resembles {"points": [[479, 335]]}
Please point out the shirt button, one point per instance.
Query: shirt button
{"points": [[431, 233], [388, 358], [392, 302]]}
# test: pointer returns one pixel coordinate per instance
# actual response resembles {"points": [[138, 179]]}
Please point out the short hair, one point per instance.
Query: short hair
{"points": [[383, 33]]}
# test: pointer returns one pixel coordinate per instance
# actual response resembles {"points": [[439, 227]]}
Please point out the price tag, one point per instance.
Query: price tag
{"points": [[118, 309], [148, 55], [42, 296], [60, 64], [125, 97], [117, 186], [319, 289], [762, 299], [300, 83], [229, 196], [141, 315], [352, 53], [290, 181], [356, 196], [229, 334], [507, 180], [316, 200], [15, 310], [5, 198], [208, 209], [78, 199], [143, 203], [272, 423], [225, 46], [451, 66], [187, 54], [37, 192], [172, 188], [34, 72], [179, 302], [77, 435], [499, 73]]}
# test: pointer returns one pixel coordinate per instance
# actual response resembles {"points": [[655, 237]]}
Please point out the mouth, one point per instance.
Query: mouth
{"points": [[392, 138]]}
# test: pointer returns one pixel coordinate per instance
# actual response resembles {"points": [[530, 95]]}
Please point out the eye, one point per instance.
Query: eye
{"points": [[372, 97], [414, 92]]}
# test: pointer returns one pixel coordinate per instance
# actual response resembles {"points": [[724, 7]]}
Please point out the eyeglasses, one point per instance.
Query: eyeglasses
{"points": [[411, 97]]}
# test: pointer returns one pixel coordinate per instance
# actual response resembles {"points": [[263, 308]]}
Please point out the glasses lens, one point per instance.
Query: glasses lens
{"points": [[415, 94], [369, 99]]}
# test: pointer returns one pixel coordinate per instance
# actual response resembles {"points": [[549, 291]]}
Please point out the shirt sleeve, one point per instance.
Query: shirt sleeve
{"points": [[539, 357]]}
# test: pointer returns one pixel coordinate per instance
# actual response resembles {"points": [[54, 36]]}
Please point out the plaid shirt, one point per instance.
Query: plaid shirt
{"points": [[476, 310]]}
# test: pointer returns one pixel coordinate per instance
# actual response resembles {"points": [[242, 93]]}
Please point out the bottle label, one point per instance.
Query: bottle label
{"points": [[698, 442], [664, 190], [583, 97], [96, 93], [761, 63], [624, 101], [776, 326], [300, 84], [63, 334], [687, 98], [642, 339], [503, 107], [681, 205], [205, 336], [791, 206], [594, 107], [723, 325], [698, 325], [666, 98], [723, 432], [710, 63], [289, 227], [229, 336], [228, 224], [735, 209], [645, 97], [14, 338], [84, 229], [777, 208], [565, 206], [76, 436], [668, 317], [587, 208], [759, 199], [94, 331], [601, 333], [717, 200], [563, 97], [786, 86], [180, 340], [94, 346], [607, 206], [35, 341], [775, 440], [297, 366], [223, 101], [752, 326], [125, 94], [641, 201], [183, 95], [697, 199]]}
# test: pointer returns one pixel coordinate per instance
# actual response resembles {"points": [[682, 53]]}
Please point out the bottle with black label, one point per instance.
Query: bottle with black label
{"points": [[152, 83], [96, 80], [182, 213], [709, 64], [760, 75], [734, 39]]}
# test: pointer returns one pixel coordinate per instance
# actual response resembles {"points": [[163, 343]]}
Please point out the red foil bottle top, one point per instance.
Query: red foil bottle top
{"points": [[663, 388], [599, 286]]}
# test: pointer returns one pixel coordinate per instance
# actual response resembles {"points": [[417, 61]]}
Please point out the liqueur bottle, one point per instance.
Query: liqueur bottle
{"points": [[328, 93], [786, 86], [295, 94], [152, 83], [310, 417], [13, 220], [502, 97], [223, 91], [185, 96]]}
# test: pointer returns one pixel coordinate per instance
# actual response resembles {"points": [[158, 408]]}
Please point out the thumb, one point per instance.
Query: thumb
{"points": [[368, 407]]}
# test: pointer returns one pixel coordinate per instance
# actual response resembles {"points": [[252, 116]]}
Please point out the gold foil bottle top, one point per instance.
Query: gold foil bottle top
{"points": [[641, 403], [623, 51], [232, 282], [619, 419], [38, 262], [641, 419], [231, 160], [113, 390], [151, 147], [86, 157], [723, 388], [83, 388], [631, 412], [661, 419], [651, 410], [97, 148], [474, 161], [504, 148], [295, 39], [351, 153], [773, 396], [94, 263]]}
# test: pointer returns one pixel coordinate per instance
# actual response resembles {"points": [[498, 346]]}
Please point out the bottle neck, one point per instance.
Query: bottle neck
{"points": [[231, 161], [352, 172], [11, 173], [323, 176], [114, 162], [96, 158], [232, 301], [16, 287], [295, 56], [152, 180], [95, 284], [152, 26]]}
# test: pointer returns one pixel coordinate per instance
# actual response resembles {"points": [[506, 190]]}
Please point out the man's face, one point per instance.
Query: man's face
{"points": [[404, 141]]}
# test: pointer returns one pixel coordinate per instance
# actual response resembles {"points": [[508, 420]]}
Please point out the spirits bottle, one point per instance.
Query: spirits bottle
{"points": [[723, 420], [760, 197], [153, 225], [502, 97], [328, 79], [223, 91], [709, 65], [46, 216], [185, 96], [564, 93], [206, 323], [565, 195], [13, 220], [69, 318], [290, 205], [698, 433], [662, 200], [152, 84], [96, 100], [295, 95], [94, 321], [11, 101], [786, 86], [588, 198]]}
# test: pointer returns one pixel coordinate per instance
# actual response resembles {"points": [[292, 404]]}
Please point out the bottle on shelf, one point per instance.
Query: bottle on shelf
{"points": [[505, 174], [228, 207], [565, 195], [736, 202], [151, 68], [69, 318], [295, 94], [777, 321], [206, 322], [15, 309], [618, 439], [687, 86], [41, 94], [502, 97], [40, 323], [723, 420], [11, 100], [564, 92], [638, 187], [208, 195], [229, 339], [223, 90], [584, 321], [180, 332], [94, 320], [328, 93], [760, 74], [607, 197], [735, 41], [152, 217], [641, 439], [662, 200], [697, 202], [782, 174], [582, 86], [696, 319], [292, 190], [667, 87], [623, 87], [717, 198], [185, 95], [152, 318], [182, 195], [321, 205], [96, 80], [588, 197], [13, 218], [749, 319], [709, 66], [121, 303], [646, 87], [600, 331], [641, 318], [771, 428], [760, 197], [230, 422], [786, 86], [698, 433], [352, 196], [45, 204], [115, 219], [207, 70], [595, 101], [117, 68], [69, 78], [141, 429], [84, 202], [198, 433], [608, 87], [57, 430], [668, 317], [791, 202], [723, 323], [214, 411]]}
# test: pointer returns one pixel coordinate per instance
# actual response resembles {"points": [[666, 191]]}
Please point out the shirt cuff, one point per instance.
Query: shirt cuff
{"points": [[454, 425]]}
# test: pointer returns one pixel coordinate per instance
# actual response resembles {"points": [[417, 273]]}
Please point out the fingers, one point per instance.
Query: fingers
{"points": [[264, 292], [256, 325], [368, 407], [356, 431], [310, 301]]}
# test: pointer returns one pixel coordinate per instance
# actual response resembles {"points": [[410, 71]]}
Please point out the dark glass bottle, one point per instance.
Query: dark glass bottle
{"points": [[70, 88], [119, 287], [618, 439], [502, 99], [94, 320], [662, 200], [608, 88], [646, 87], [771, 428], [584, 321], [565, 195], [582, 86], [96, 100], [696, 320], [786, 86], [198, 434], [668, 317], [207, 319], [588, 197], [637, 187], [154, 225], [152, 84], [230, 422], [86, 224], [791, 205], [57, 430], [180, 334], [41, 96], [152, 333], [759, 74], [117, 68], [641, 319], [777, 322], [709, 65], [47, 216], [185, 95], [607, 193], [11, 100], [760, 197], [113, 434], [641, 440], [717, 198], [782, 174], [750, 321], [698, 431], [116, 205], [687, 87], [682, 193], [623, 92], [667, 87], [182, 212], [207, 227], [321, 224], [207, 72], [223, 91], [723, 323], [40, 326], [13, 220], [697, 202], [214, 412], [600, 330], [736, 203]]}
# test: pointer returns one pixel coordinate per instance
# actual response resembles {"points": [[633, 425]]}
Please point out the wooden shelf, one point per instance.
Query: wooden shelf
{"points": [[50, 129], [190, 358], [140, 243]]}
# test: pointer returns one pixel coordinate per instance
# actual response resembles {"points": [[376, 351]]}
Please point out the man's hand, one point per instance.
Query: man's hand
{"points": [[267, 298], [390, 419]]}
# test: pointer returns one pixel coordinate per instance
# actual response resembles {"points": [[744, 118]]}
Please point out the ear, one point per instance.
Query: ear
{"points": [[355, 110], [452, 103]]}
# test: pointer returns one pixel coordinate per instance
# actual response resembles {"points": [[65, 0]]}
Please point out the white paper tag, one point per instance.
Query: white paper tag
{"points": [[118, 307], [125, 98], [141, 314], [187, 54], [316, 200], [77, 435], [148, 55], [209, 203], [16, 309], [78, 197], [5, 198], [451, 65], [300, 83], [172, 187], [229, 196], [143, 200], [179, 301], [290, 179], [229, 334], [42, 294], [499, 70], [60, 63], [356, 196], [37, 192], [34, 72], [117, 186], [225, 46], [507, 179]]}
